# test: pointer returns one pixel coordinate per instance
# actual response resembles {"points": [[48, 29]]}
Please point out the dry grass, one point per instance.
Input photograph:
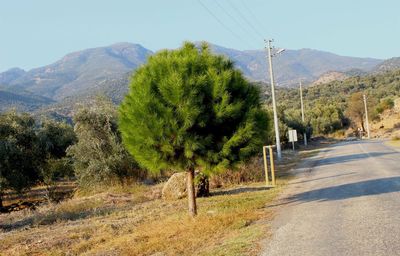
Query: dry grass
{"points": [[134, 221], [110, 224], [38, 193], [389, 123], [395, 142]]}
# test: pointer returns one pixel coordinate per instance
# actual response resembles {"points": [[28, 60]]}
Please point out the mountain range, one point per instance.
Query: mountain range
{"points": [[106, 70]]}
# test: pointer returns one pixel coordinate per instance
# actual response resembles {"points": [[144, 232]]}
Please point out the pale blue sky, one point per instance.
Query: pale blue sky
{"points": [[39, 32]]}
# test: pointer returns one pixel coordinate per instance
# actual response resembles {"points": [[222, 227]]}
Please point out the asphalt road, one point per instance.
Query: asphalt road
{"points": [[347, 204]]}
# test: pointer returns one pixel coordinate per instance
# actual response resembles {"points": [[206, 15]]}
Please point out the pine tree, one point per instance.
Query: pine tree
{"points": [[188, 109]]}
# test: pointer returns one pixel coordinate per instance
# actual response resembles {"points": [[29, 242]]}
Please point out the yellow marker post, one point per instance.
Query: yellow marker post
{"points": [[265, 165], [271, 158]]}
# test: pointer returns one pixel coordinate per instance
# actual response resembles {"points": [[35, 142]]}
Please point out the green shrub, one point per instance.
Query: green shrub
{"points": [[99, 157]]}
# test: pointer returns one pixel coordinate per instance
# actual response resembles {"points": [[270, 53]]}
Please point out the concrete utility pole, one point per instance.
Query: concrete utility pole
{"points": [[366, 115], [302, 114], [271, 74]]}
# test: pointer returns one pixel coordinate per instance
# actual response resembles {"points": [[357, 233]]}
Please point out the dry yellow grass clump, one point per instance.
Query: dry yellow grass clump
{"points": [[395, 141]]}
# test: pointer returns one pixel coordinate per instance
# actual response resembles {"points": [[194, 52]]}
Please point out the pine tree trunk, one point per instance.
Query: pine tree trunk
{"points": [[203, 186], [191, 193]]}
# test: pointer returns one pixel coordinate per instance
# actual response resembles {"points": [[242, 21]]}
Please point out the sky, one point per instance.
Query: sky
{"points": [[34, 33]]}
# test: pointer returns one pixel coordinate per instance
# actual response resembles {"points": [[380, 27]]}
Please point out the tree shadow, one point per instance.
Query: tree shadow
{"points": [[48, 218], [322, 178], [351, 190], [349, 158], [235, 191], [42, 219]]}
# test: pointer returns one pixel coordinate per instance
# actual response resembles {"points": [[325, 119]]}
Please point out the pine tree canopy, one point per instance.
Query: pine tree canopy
{"points": [[188, 108]]}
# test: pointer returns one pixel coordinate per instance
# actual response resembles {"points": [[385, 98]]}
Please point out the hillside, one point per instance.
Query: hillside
{"points": [[330, 77], [325, 104], [10, 75], [388, 65], [106, 69], [388, 126], [24, 102], [80, 72], [292, 65]]}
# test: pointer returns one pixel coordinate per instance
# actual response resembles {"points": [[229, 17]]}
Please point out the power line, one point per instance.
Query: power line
{"points": [[221, 23], [233, 18], [259, 23], [246, 20]]}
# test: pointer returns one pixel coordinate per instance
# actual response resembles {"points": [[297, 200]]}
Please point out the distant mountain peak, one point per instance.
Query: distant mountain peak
{"points": [[107, 69], [124, 45], [16, 70], [10, 75]]}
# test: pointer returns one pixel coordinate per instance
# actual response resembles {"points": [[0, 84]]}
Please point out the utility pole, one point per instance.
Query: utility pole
{"points": [[366, 115], [276, 124], [302, 113]]}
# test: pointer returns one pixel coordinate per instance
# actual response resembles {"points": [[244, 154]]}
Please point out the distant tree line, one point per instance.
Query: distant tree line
{"points": [[336, 105]]}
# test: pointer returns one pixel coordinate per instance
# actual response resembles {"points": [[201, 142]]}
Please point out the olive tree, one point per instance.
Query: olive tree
{"points": [[99, 156], [54, 139], [19, 152], [188, 109]]}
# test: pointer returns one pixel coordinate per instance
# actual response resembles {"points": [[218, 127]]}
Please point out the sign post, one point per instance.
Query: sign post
{"points": [[292, 137]]}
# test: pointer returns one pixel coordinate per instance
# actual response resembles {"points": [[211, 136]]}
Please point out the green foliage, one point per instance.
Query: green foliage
{"points": [[326, 118], [385, 104], [55, 137], [187, 108], [52, 171], [327, 105], [99, 157], [28, 151], [19, 152]]}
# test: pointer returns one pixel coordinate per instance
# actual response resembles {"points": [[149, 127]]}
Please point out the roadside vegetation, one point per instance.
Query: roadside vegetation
{"points": [[114, 224], [395, 141], [93, 186], [335, 107], [134, 220]]}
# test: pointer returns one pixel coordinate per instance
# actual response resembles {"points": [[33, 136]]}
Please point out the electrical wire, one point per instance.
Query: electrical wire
{"points": [[221, 23], [259, 23], [234, 19], [246, 20]]}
